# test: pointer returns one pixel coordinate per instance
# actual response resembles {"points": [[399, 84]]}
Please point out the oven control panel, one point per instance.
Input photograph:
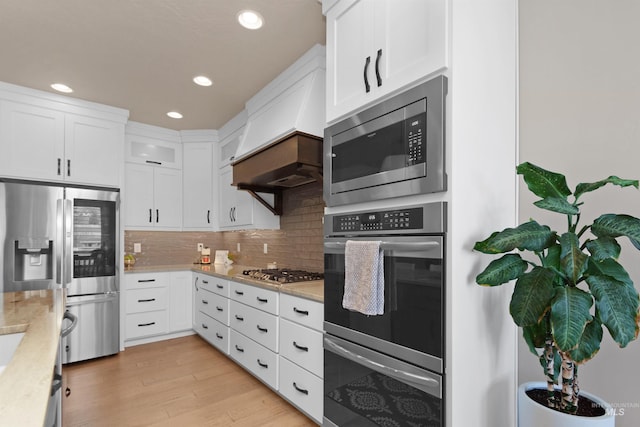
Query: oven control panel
{"points": [[398, 219]]}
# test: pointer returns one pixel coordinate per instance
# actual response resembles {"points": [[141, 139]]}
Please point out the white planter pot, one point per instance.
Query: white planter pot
{"points": [[533, 414]]}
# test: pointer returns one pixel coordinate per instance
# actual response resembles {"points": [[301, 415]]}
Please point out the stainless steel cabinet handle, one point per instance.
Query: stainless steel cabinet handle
{"points": [[72, 326]]}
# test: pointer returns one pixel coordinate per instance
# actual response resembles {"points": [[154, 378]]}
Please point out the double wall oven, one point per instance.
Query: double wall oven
{"points": [[387, 369]]}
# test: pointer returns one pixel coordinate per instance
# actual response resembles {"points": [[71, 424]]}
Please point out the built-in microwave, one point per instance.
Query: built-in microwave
{"points": [[392, 149]]}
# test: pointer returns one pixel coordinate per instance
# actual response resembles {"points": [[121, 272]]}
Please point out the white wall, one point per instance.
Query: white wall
{"points": [[580, 115]]}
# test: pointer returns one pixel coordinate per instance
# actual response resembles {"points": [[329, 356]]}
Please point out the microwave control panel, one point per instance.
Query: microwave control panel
{"points": [[398, 219], [414, 136]]}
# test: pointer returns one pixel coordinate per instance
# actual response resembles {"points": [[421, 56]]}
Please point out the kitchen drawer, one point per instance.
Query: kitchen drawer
{"points": [[301, 310], [139, 325], [213, 331], [213, 305], [212, 284], [301, 388], [260, 298], [259, 326], [143, 300], [302, 346], [260, 361], [146, 280]]}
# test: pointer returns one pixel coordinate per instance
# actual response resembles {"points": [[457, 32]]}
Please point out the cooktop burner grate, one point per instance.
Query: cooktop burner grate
{"points": [[283, 275]]}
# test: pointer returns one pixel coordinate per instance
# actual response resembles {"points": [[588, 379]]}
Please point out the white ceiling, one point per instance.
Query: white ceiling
{"points": [[141, 55]]}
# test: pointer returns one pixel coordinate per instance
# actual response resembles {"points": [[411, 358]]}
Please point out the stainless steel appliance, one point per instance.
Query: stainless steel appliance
{"points": [[53, 236], [395, 148], [282, 275], [390, 365]]}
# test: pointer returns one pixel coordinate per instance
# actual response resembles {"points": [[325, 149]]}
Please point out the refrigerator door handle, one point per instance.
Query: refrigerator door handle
{"points": [[68, 240], [59, 240]]}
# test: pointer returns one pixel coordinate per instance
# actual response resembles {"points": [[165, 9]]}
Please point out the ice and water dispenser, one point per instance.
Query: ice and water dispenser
{"points": [[33, 259]]}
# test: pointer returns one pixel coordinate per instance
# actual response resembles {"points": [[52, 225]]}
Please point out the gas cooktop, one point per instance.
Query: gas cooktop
{"points": [[282, 275]]}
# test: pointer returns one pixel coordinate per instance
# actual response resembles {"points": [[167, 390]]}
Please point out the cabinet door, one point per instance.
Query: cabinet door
{"points": [[411, 37], [180, 301], [31, 142], [167, 198], [349, 43], [198, 186], [138, 198], [93, 150]]}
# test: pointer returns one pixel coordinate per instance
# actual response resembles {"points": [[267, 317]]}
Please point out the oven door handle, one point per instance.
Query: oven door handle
{"points": [[394, 373], [393, 246]]}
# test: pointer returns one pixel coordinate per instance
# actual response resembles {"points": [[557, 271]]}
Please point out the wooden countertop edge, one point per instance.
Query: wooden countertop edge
{"points": [[25, 384]]}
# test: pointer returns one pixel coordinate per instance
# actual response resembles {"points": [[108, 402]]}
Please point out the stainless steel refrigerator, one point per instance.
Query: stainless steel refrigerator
{"points": [[56, 236]]}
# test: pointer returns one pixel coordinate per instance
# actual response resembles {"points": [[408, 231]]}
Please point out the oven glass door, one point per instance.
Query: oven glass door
{"points": [[411, 327], [365, 388]]}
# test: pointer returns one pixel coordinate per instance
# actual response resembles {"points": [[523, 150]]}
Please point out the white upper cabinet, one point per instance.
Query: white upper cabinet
{"points": [[53, 138], [199, 178], [376, 47]]}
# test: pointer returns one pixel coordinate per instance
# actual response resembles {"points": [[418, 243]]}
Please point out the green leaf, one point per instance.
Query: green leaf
{"points": [[603, 248], [586, 187], [502, 270], [589, 343], [569, 316], [543, 183], [612, 225], [617, 307], [528, 236], [535, 335], [557, 204], [573, 260], [532, 296], [609, 268]]}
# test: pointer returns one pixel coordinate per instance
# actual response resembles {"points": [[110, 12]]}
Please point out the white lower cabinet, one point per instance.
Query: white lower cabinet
{"points": [[216, 333], [258, 360], [301, 388]]}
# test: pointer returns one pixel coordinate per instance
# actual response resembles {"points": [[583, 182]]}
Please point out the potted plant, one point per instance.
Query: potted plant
{"points": [[568, 287]]}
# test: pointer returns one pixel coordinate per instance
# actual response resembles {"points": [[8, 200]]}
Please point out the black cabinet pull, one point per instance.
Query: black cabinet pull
{"points": [[205, 282], [378, 68], [146, 324], [264, 365], [146, 280], [262, 299], [300, 347], [153, 162], [239, 293], [367, 88], [68, 167], [208, 216], [219, 308], [219, 286], [240, 318], [261, 329], [219, 336], [204, 301], [304, 312], [67, 392], [157, 215], [240, 349], [204, 326], [66, 348], [147, 300], [59, 165], [150, 215], [301, 390]]}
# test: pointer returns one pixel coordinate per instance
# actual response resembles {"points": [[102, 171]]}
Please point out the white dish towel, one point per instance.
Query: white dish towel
{"points": [[364, 277]]}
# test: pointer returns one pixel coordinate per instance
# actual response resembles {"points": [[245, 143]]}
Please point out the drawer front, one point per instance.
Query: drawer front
{"points": [[212, 331], [302, 346], [146, 280], [301, 388], [259, 326], [301, 310], [260, 298], [212, 284], [143, 300], [146, 324], [213, 305], [260, 361]]}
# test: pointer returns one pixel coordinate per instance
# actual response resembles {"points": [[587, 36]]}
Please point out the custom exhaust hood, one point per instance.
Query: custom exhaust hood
{"points": [[281, 146]]}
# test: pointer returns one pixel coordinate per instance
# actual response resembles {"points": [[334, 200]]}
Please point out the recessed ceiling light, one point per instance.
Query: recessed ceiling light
{"points": [[174, 115], [202, 81], [61, 88], [250, 19]]}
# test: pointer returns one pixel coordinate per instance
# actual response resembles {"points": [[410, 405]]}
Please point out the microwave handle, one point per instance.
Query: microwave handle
{"points": [[379, 367], [391, 245]]}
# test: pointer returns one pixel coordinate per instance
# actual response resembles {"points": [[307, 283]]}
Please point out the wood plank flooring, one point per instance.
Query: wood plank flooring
{"points": [[181, 382]]}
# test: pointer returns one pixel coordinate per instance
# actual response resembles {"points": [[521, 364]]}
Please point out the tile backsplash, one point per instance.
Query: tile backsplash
{"points": [[298, 243]]}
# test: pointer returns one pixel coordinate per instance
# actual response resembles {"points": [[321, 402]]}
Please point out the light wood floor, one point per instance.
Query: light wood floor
{"points": [[181, 382]]}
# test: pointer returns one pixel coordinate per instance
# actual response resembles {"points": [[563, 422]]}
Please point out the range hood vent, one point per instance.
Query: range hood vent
{"points": [[290, 162]]}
